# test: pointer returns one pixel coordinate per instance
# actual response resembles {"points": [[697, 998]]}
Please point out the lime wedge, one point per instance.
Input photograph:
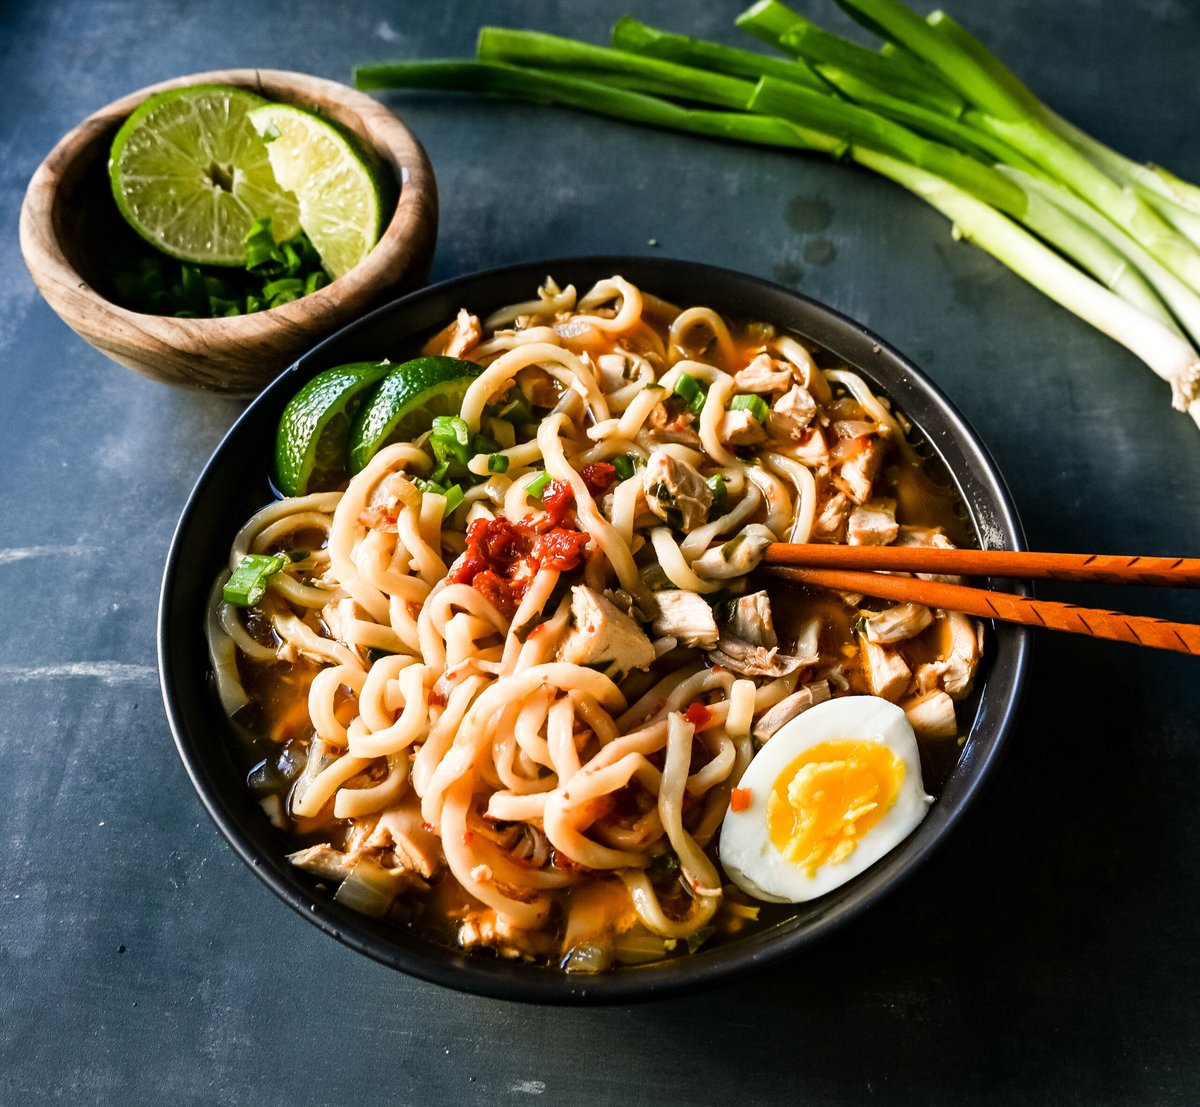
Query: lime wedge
{"points": [[190, 175], [406, 402], [313, 432], [341, 197]]}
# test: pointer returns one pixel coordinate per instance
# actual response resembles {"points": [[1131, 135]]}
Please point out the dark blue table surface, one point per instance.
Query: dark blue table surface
{"points": [[1048, 953]]}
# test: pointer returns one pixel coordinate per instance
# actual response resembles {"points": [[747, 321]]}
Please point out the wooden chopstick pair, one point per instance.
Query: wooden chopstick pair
{"points": [[867, 569]]}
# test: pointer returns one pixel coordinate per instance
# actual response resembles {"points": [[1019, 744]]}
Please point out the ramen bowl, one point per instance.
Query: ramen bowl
{"points": [[235, 483], [70, 230]]}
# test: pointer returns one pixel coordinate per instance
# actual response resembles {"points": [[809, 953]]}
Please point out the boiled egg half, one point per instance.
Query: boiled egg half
{"points": [[828, 795]]}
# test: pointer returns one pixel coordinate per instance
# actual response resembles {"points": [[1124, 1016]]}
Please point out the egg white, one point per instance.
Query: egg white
{"points": [[751, 859]]}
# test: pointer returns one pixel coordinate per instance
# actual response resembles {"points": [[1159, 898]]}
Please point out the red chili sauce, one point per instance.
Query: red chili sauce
{"points": [[503, 557]]}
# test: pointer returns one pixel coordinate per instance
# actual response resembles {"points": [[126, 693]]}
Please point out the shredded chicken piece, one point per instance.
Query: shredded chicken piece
{"points": [[855, 475], [487, 930], [466, 334], [741, 428], [601, 634], [887, 671], [679, 430], [873, 524], [811, 449], [416, 849], [323, 861], [337, 617], [752, 621], [685, 617], [928, 537], [787, 709], [676, 492], [830, 524], [932, 716], [746, 659], [764, 374], [898, 623], [955, 669], [740, 555], [792, 413]]}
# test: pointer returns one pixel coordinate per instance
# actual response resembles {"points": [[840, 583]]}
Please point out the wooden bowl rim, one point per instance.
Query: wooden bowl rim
{"points": [[374, 125]]}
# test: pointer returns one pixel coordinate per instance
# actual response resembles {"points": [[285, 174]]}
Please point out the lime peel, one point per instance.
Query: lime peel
{"points": [[340, 195]]}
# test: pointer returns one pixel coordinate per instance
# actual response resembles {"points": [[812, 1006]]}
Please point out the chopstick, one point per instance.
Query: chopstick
{"points": [[1096, 623], [1163, 572]]}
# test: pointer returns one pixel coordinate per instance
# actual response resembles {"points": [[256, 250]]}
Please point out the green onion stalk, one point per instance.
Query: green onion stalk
{"points": [[933, 110]]}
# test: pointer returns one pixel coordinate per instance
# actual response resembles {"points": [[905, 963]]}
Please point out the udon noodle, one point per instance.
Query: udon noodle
{"points": [[518, 724]]}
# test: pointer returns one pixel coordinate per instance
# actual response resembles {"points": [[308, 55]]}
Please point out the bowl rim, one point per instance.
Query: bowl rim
{"points": [[496, 978], [405, 242]]}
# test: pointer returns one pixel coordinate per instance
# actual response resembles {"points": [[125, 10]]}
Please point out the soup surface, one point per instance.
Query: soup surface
{"points": [[504, 694]]}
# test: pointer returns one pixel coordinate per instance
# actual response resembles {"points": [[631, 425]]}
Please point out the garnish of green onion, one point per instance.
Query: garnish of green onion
{"points": [[537, 486], [691, 391], [450, 439], [756, 405], [624, 464], [719, 493], [454, 499], [497, 463], [247, 584], [484, 444], [517, 411]]}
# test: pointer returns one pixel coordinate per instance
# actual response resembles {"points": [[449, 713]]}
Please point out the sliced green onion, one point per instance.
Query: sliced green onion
{"points": [[484, 444], [720, 494], [260, 243], [454, 499], [451, 439], [691, 391], [517, 410], [497, 463], [284, 284], [756, 405], [429, 486], [248, 582], [537, 486], [624, 464]]}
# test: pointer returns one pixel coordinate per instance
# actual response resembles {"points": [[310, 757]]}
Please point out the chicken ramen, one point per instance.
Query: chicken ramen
{"points": [[504, 680]]}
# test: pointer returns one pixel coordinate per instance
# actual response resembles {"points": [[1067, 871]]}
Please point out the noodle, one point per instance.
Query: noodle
{"points": [[498, 704]]}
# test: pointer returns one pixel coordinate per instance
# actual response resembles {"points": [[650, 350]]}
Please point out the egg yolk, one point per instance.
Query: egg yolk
{"points": [[829, 797]]}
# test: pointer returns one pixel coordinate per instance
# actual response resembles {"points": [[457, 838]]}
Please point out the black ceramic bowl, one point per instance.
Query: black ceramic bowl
{"points": [[235, 483]]}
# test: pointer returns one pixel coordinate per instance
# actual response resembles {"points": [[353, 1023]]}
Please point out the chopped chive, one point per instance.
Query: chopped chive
{"points": [[248, 582], [756, 405], [537, 486], [691, 391], [484, 444], [450, 439], [497, 463], [517, 410], [454, 498], [624, 464], [284, 284], [431, 486], [260, 244], [720, 494]]}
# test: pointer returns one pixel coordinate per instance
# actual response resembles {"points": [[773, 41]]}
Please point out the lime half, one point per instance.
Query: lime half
{"points": [[341, 197], [190, 175], [311, 441], [406, 402]]}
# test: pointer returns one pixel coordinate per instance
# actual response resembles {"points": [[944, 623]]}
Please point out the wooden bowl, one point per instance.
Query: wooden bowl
{"points": [[69, 224]]}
